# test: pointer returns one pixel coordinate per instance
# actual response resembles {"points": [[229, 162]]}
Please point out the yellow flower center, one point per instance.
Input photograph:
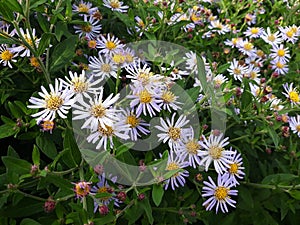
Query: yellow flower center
{"points": [[6, 55], [47, 125], [145, 97], [83, 8], [294, 96], [195, 18], [290, 33], [174, 133], [34, 62], [118, 58], [234, 41], [221, 193], [132, 120], [80, 86], [86, 28], [279, 65], [248, 46], [128, 58], [168, 97], [236, 71], [254, 30], [105, 67], [108, 131], [234, 167], [192, 147], [54, 102], [98, 111], [115, 4], [29, 40], [298, 128], [215, 152], [271, 38], [92, 43], [141, 23], [103, 190], [281, 52], [82, 189], [110, 45], [173, 166], [253, 75]]}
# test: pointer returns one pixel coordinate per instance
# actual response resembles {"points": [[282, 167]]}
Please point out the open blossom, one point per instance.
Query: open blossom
{"points": [[91, 28], [295, 124], [219, 195], [56, 102], [291, 93], [214, 151]]}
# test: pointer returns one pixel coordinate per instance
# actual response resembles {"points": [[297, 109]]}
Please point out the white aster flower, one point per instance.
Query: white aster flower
{"points": [[84, 8], [173, 132], [115, 5], [254, 32], [247, 48], [176, 162], [169, 100], [235, 170], [95, 111], [219, 195], [109, 45], [90, 29], [279, 53], [7, 56], [295, 124], [236, 70], [102, 67], [58, 101], [279, 67], [214, 152], [32, 42], [271, 38], [291, 93]]}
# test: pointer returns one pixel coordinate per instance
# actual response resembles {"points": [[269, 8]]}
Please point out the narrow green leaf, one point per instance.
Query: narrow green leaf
{"points": [[44, 43], [273, 135], [124, 148], [246, 97], [36, 156], [44, 24], [70, 143], [36, 3], [13, 5], [18, 166], [63, 53], [193, 93], [61, 29], [6, 40], [147, 207], [60, 182], [14, 110], [7, 130], [157, 194], [28, 221]]}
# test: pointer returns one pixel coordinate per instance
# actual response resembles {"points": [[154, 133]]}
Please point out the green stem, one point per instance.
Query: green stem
{"points": [[81, 175], [273, 187], [31, 196], [118, 81]]}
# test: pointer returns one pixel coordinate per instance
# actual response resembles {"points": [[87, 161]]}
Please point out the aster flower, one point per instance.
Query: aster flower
{"points": [[219, 195], [169, 100], [246, 47], [214, 152], [221, 28], [234, 42], [253, 73], [144, 100], [291, 93], [295, 124], [276, 104], [90, 29], [290, 33], [82, 189], [7, 56], [176, 162], [279, 53], [104, 135], [32, 42], [253, 32], [189, 148], [95, 111], [173, 132], [109, 45], [235, 170], [136, 124], [102, 67], [271, 38], [102, 187], [80, 85], [219, 80], [279, 67], [84, 8], [174, 72], [115, 5], [236, 70], [58, 101]]}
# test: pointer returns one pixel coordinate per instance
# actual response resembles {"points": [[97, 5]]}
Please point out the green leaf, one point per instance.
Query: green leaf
{"points": [[70, 143], [36, 156], [46, 145], [44, 43], [60, 182], [7, 130], [108, 219], [61, 29], [6, 12], [14, 110], [18, 166], [28, 221], [6, 40], [147, 207], [36, 3], [273, 135], [63, 53], [157, 194], [223, 68], [103, 195], [246, 97], [44, 24], [124, 148], [13, 5], [280, 178], [193, 93]]}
